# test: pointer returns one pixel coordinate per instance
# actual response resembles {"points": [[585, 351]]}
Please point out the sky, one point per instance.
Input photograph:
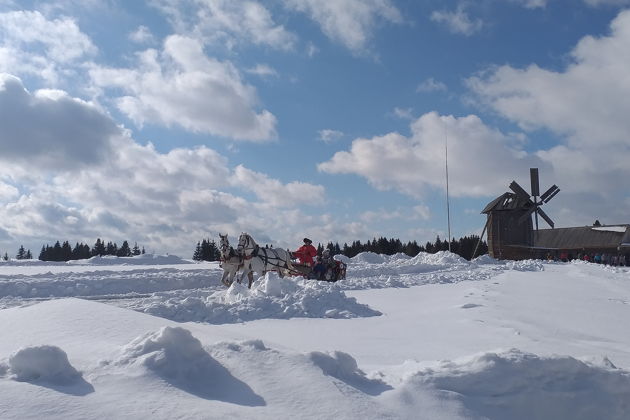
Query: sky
{"points": [[165, 122]]}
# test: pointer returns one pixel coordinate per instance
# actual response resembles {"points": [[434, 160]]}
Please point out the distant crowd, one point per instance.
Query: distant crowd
{"points": [[612, 259]]}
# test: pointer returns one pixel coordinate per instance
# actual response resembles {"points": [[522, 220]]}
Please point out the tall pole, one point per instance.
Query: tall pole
{"points": [[448, 207]]}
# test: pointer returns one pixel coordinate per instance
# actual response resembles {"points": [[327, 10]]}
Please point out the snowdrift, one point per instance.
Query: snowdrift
{"points": [[269, 297], [521, 386], [144, 259], [174, 355]]}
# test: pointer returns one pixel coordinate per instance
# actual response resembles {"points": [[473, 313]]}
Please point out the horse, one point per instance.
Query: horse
{"points": [[261, 260], [230, 261]]}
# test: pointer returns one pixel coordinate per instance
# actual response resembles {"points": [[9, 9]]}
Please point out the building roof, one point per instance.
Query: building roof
{"points": [[506, 201], [611, 236]]}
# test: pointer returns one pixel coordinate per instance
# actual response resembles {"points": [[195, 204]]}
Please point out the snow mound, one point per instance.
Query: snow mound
{"points": [[519, 386], [525, 265], [269, 297], [370, 258], [144, 259], [172, 352], [48, 364], [441, 258], [176, 356], [522, 265], [367, 265], [344, 367], [486, 259]]}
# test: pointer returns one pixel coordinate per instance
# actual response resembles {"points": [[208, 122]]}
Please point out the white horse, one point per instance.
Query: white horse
{"points": [[230, 261], [260, 260]]}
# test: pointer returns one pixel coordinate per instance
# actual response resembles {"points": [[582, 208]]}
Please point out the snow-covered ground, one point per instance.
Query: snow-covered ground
{"points": [[429, 337]]}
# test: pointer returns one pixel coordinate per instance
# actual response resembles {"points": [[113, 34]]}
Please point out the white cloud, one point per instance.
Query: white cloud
{"points": [[412, 165], [8, 192], [607, 2], [273, 192], [329, 136], [419, 212], [142, 35], [431, 85], [311, 50], [458, 21], [31, 44], [263, 70], [50, 129], [227, 22], [404, 113], [181, 85], [532, 4], [348, 22]]}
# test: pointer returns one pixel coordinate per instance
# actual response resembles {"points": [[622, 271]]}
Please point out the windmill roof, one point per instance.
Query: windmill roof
{"points": [[506, 201]]}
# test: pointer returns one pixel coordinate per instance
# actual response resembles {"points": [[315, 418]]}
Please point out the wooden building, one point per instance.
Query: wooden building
{"points": [[513, 235]]}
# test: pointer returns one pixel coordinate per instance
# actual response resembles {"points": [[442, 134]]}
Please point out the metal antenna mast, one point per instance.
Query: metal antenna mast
{"points": [[448, 207]]}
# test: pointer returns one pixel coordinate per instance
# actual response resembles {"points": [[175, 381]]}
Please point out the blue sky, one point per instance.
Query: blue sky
{"points": [[168, 121]]}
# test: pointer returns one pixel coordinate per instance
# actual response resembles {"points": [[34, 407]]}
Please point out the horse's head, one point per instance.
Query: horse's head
{"points": [[224, 244], [246, 242]]}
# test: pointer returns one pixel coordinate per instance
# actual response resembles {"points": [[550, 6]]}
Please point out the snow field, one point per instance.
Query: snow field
{"points": [[480, 340]]}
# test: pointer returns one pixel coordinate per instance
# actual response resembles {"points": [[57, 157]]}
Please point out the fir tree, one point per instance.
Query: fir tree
{"points": [[98, 249], [21, 254], [197, 253], [124, 250]]}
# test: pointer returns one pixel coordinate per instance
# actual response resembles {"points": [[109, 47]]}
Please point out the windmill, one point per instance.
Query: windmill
{"points": [[509, 223], [532, 203]]}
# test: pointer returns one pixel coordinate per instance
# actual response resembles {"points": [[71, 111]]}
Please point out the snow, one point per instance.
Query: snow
{"points": [[611, 228], [269, 297], [42, 363], [432, 336]]}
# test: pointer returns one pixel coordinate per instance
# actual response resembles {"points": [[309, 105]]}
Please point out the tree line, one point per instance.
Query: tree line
{"points": [[207, 249], [65, 252], [464, 247]]}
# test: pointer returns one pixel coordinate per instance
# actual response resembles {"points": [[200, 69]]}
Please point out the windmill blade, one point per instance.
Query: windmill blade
{"points": [[524, 217], [533, 175], [552, 195], [550, 191], [519, 191], [544, 216]]}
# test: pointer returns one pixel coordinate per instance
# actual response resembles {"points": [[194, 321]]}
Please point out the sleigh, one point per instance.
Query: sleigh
{"points": [[325, 271]]}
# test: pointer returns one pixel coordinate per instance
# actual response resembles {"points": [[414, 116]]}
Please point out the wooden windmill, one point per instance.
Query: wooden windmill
{"points": [[509, 224]]}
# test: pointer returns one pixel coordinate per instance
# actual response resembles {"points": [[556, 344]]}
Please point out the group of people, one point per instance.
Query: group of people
{"points": [[321, 265], [618, 259]]}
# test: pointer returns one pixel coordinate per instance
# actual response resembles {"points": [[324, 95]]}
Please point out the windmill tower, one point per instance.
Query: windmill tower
{"points": [[509, 224]]}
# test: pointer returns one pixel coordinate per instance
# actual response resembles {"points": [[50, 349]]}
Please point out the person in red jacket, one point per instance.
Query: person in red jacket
{"points": [[306, 253]]}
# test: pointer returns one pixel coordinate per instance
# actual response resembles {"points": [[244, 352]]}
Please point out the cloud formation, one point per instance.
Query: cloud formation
{"points": [[180, 85], [31, 44], [328, 136], [457, 21], [348, 22], [226, 22], [431, 85], [414, 165], [73, 174], [50, 130]]}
